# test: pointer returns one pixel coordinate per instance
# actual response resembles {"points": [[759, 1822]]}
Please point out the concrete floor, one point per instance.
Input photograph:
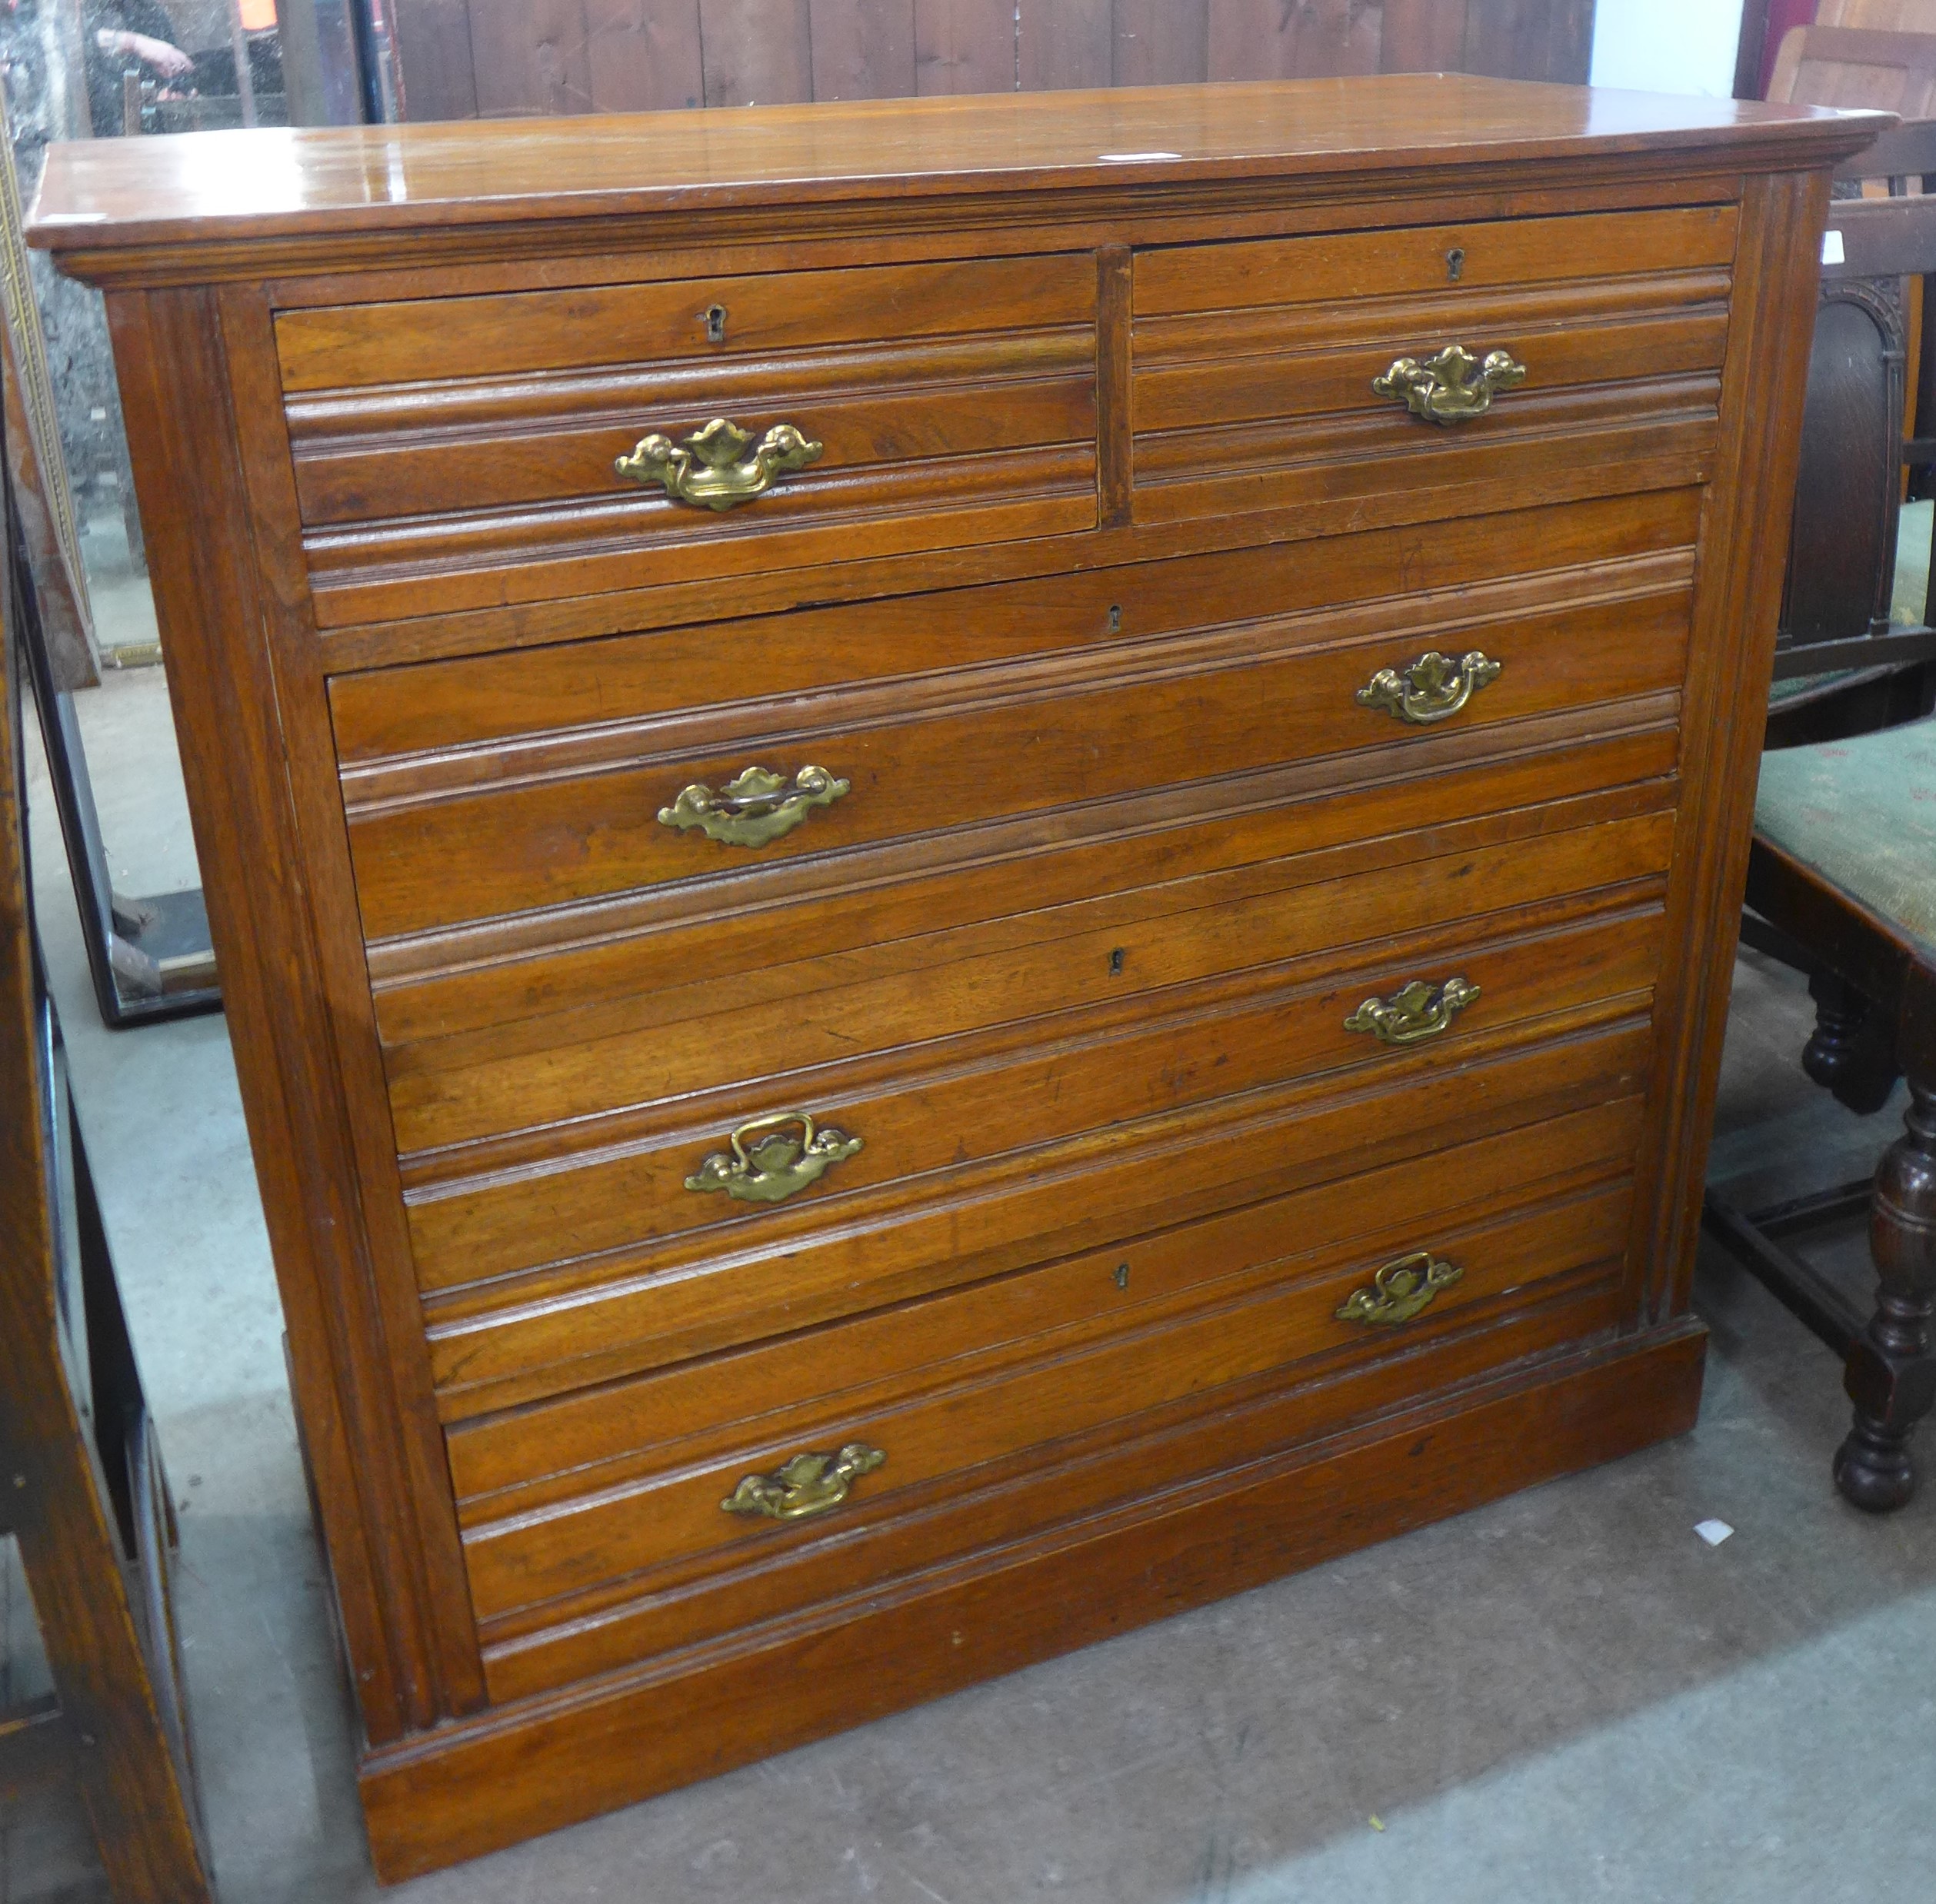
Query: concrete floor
{"points": [[1569, 1696]]}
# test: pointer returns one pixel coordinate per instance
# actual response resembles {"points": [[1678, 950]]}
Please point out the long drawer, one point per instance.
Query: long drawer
{"points": [[798, 1027], [552, 820], [1088, 1485], [598, 1488], [642, 1301], [467, 451], [691, 1165], [387, 716], [672, 953], [1548, 348]]}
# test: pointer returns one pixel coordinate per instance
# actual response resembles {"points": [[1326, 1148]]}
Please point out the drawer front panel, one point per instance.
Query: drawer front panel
{"points": [[720, 1593], [528, 334], [821, 1017], [453, 999], [383, 717], [911, 1123], [1251, 390], [468, 456], [602, 813], [525, 1554], [584, 1444], [576, 1322]]}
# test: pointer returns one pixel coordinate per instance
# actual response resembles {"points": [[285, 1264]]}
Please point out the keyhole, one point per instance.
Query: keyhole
{"points": [[715, 324], [1115, 619], [1116, 959], [1454, 265], [1122, 1275]]}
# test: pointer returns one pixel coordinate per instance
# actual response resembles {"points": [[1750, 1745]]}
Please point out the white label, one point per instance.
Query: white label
{"points": [[1713, 1532], [1831, 247]]}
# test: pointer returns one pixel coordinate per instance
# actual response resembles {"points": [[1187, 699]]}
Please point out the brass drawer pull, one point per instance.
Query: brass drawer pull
{"points": [[1418, 1012], [1444, 389], [1434, 687], [1400, 1290], [781, 1163], [719, 467], [756, 808], [808, 1484]]}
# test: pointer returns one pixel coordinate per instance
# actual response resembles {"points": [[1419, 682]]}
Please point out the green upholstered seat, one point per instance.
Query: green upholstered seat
{"points": [[1785, 691], [1862, 813]]}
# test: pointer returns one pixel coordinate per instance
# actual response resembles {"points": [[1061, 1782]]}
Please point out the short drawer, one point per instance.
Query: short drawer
{"points": [[481, 450], [1433, 370], [1172, 1324], [554, 819]]}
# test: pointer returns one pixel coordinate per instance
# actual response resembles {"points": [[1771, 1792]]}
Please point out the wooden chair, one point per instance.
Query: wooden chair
{"points": [[1841, 666], [1844, 866], [1842, 885], [1848, 66], [82, 1488]]}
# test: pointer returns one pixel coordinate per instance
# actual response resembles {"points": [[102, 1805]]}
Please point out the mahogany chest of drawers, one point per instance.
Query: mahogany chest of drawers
{"points": [[975, 861]]}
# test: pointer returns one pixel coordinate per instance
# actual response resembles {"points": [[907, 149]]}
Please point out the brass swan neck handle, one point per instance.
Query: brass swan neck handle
{"points": [[1400, 1290], [769, 1161], [1414, 1012], [720, 466], [1452, 387], [808, 1484], [1434, 687], [754, 808]]}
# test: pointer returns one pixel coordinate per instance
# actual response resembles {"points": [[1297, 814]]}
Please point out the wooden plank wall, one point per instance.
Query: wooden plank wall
{"points": [[494, 58]]}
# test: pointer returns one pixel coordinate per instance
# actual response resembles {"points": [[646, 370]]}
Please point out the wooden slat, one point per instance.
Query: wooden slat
{"points": [[434, 56], [1252, 39], [459, 59], [1905, 151], [1338, 36], [1292, 39], [756, 52], [1161, 42], [644, 55], [1884, 237], [1064, 43], [1569, 46], [528, 57], [863, 49], [964, 46], [1423, 36]]}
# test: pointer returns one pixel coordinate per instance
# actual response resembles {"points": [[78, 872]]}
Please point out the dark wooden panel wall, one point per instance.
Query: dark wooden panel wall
{"points": [[468, 59]]}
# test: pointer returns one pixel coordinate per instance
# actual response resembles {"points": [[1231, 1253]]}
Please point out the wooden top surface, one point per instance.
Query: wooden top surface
{"points": [[198, 187]]}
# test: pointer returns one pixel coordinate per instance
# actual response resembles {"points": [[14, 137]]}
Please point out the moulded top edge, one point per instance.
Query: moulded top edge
{"points": [[198, 188]]}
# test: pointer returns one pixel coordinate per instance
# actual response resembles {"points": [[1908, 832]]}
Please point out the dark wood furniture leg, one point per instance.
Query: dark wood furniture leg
{"points": [[1891, 1375]]}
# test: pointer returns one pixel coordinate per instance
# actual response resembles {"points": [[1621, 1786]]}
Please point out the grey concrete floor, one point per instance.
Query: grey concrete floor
{"points": [[1568, 1696]]}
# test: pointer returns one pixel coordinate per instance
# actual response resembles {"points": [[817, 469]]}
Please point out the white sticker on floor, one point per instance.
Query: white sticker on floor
{"points": [[1713, 1532]]}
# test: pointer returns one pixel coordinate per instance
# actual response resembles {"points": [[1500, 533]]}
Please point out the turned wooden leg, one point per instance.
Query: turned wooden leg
{"points": [[1891, 1376], [1848, 1053]]}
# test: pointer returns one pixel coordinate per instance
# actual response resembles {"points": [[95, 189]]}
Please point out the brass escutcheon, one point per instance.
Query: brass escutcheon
{"points": [[1434, 687], [719, 467], [1452, 387], [755, 808], [1400, 1290], [808, 1484], [772, 1169], [1414, 1013]]}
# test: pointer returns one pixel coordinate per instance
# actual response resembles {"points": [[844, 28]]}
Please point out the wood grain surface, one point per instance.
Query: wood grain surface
{"points": [[1110, 531]]}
